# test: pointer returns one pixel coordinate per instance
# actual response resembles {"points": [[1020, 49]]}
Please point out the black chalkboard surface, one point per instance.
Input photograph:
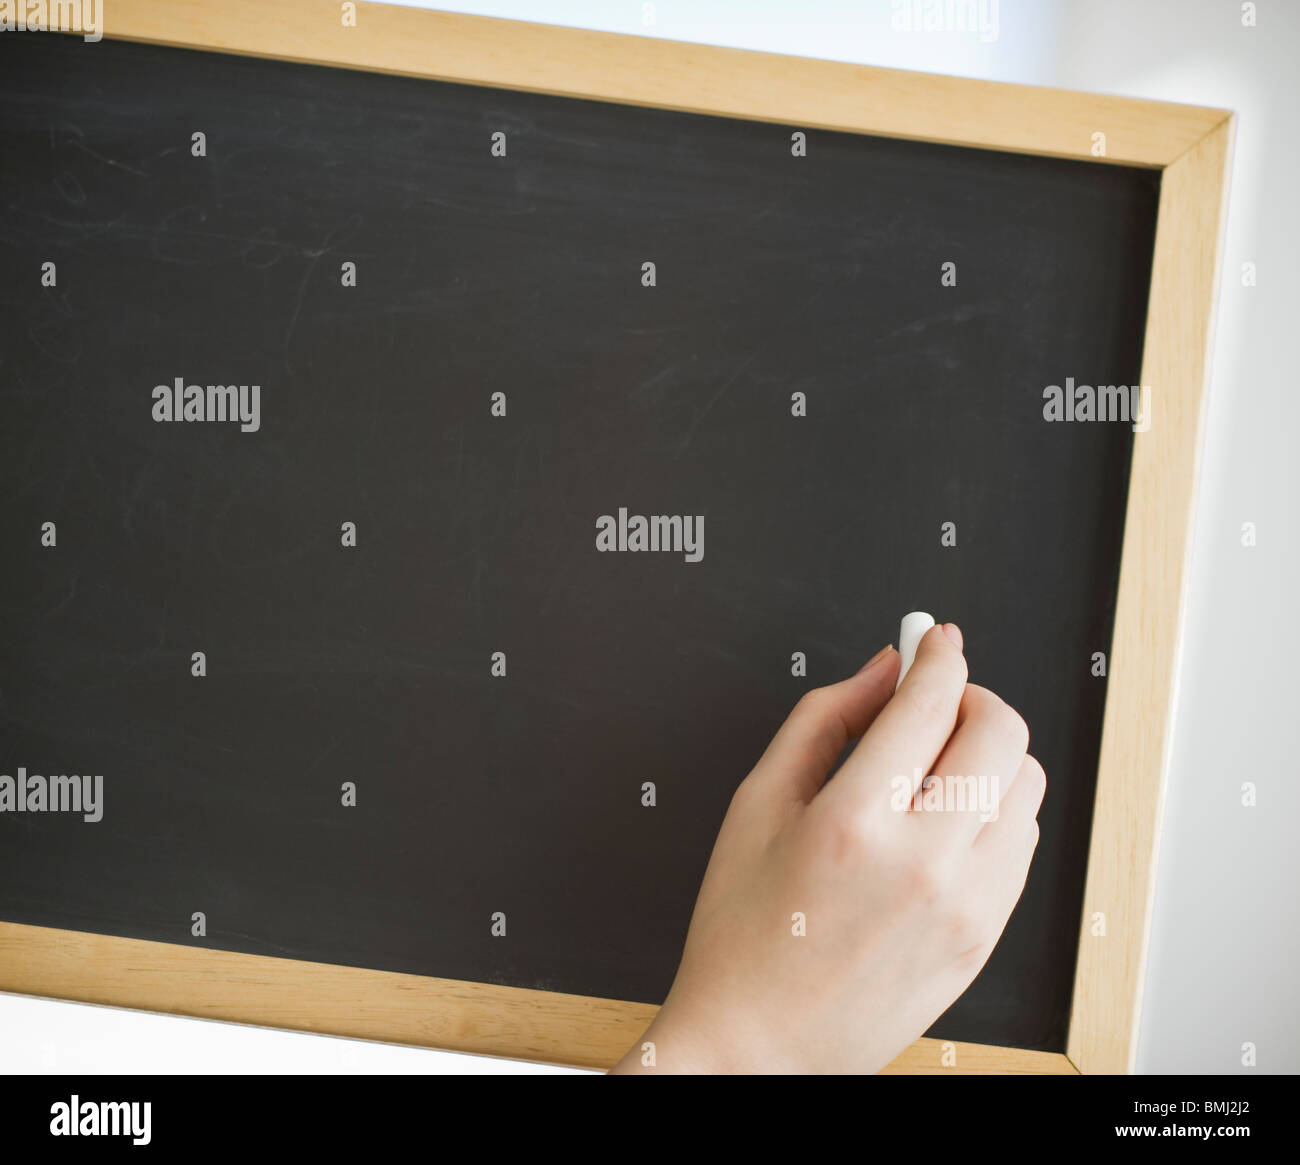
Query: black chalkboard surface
{"points": [[519, 275]]}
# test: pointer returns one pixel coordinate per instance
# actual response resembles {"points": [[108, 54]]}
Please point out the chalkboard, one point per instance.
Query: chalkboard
{"points": [[497, 244]]}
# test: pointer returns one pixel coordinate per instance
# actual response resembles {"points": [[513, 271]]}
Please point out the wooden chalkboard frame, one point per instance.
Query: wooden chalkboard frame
{"points": [[1189, 144]]}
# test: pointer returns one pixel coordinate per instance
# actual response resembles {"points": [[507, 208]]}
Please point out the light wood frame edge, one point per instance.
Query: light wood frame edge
{"points": [[1137, 726], [482, 1018], [694, 78], [1192, 146]]}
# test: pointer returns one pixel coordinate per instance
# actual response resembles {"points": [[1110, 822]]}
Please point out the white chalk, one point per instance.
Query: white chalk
{"points": [[910, 631]]}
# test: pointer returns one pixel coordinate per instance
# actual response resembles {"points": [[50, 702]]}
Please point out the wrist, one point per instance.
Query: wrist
{"points": [[679, 1042], [665, 1049]]}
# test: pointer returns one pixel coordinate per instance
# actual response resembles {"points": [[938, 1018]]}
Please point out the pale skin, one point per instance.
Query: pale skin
{"points": [[900, 905]]}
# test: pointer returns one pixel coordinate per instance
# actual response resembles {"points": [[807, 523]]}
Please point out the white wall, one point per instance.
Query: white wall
{"points": [[42, 1036], [1226, 935]]}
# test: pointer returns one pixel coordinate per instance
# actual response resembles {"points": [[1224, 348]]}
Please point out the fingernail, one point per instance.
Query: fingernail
{"points": [[954, 633], [875, 659]]}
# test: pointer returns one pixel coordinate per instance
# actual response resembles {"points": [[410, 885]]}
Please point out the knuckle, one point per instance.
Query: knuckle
{"points": [[964, 925], [1036, 772], [981, 704], [927, 877], [928, 702], [845, 837], [1035, 778], [811, 703], [980, 701], [742, 796], [954, 663], [1013, 726]]}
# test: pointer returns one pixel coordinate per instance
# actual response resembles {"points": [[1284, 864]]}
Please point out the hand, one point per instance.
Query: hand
{"points": [[902, 891]]}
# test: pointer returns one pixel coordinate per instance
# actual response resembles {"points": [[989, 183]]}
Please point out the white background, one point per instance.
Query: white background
{"points": [[1226, 934]]}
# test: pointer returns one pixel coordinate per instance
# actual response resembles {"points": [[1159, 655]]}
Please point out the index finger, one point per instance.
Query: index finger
{"points": [[911, 730]]}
